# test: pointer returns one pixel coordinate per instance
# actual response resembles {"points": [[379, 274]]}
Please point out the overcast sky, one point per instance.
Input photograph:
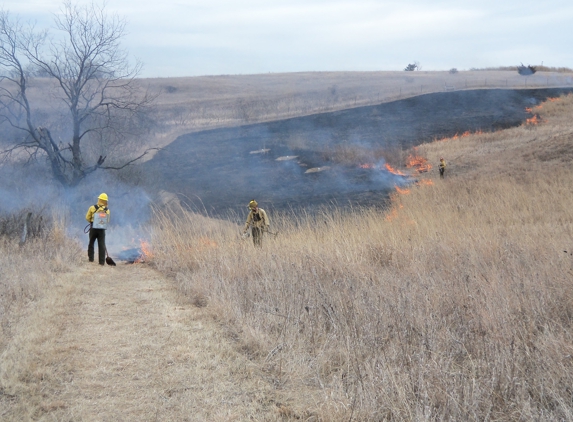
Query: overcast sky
{"points": [[214, 37]]}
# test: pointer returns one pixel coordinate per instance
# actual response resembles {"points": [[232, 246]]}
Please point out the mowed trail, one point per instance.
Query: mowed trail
{"points": [[116, 344]]}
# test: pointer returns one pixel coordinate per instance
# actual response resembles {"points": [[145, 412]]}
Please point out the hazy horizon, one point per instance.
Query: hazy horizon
{"points": [[177, 38]]}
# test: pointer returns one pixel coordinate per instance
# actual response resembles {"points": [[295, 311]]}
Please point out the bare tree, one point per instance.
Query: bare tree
{"points": [[413, 66], [92, 78]]}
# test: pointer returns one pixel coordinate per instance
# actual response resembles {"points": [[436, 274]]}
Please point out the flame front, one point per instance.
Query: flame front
{"points": [[532, 121], [420, 164], [393, 170], [393, 214], [463, 135], [146, 252], [387, 166], [536, 119]]}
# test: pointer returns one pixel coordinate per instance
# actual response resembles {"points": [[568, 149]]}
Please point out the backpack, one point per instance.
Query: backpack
{"points": [[101, 218]]}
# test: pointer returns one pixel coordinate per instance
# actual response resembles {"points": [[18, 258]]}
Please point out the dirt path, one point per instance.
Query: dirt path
{"points": [[115, 344]]}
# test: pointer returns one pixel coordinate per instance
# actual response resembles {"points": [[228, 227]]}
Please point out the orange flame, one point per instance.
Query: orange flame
{"points": [[540, 106], [393, 170], [205, 242], [146, 252], [402, 191], [532, 121], [394, 212], [425, 182], [419, 163], [463, 135]]}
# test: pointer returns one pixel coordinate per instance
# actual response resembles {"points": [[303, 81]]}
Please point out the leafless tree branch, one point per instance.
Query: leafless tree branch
{"points": [[95, 80]]}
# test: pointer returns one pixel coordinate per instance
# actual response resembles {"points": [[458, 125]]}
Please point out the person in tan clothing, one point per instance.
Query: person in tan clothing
{"points": [[259, 222], [442, 167]]}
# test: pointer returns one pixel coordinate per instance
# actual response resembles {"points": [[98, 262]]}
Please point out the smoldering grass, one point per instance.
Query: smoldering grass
{"points": [[459, 306]]}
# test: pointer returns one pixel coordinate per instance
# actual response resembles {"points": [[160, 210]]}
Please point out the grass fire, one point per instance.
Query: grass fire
{"points": [[381, 290]]}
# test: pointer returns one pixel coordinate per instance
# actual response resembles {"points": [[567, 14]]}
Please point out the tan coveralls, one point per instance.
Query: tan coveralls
{"points": [[259, 222], [442, 167]]}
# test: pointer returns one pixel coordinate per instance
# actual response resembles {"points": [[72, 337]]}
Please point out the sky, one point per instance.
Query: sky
{"points": [[176, 38]]}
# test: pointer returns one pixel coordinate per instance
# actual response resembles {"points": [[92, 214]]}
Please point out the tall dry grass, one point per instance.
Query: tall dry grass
{"points": [[27, 270], [454, 304]]}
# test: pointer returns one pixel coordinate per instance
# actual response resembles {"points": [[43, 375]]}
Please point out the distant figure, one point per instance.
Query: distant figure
{"points": [[442, 167], [259, 222], [98, 217]]}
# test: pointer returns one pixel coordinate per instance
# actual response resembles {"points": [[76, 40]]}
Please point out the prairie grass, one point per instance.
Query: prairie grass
{"points": [[28, 269], [197, 103], [456, 303], [188, 104]]}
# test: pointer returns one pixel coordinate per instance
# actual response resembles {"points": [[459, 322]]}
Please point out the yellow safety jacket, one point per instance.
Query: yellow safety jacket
{"points": [[258, 219], [92, 210], [443, 164]]}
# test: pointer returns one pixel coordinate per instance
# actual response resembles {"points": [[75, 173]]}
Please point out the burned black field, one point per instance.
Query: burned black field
{"points": [[289, 163]]}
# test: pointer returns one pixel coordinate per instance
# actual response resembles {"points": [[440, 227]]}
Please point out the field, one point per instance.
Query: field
{"points": [[185, 105], [320, 159], [191, 104], [454, 302]]}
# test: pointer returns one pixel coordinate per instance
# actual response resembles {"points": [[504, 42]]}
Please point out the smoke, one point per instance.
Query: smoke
{"points": [[218, 171], [29, 188]]}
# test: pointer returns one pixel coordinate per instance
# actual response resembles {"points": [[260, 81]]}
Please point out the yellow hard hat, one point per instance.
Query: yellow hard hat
{"points": [[253, 204], [103, 197]]}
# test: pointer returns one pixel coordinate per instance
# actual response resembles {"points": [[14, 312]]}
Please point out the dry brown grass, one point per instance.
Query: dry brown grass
{"points": [[115, 343], [455, 304], [197, 103], [27, 269], [28, 273], [191, 104], [84, 342]]}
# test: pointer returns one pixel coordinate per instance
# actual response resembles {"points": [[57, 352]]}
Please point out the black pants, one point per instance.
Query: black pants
{"points": [[98, 234], [442, 169], [257, 236]]}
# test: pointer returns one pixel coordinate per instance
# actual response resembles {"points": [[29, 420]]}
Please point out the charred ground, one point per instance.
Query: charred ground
{"points": [[221, 170]]}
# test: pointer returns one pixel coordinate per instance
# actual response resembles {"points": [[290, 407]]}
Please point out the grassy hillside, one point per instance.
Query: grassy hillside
{"points": [[455, 303], [185, 105], [191, 104], [217, 170]]}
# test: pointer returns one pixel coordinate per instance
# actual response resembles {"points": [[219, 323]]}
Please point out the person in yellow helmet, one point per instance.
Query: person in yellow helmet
{"points": [[98, 217], [442, 167], [259, 222]]}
